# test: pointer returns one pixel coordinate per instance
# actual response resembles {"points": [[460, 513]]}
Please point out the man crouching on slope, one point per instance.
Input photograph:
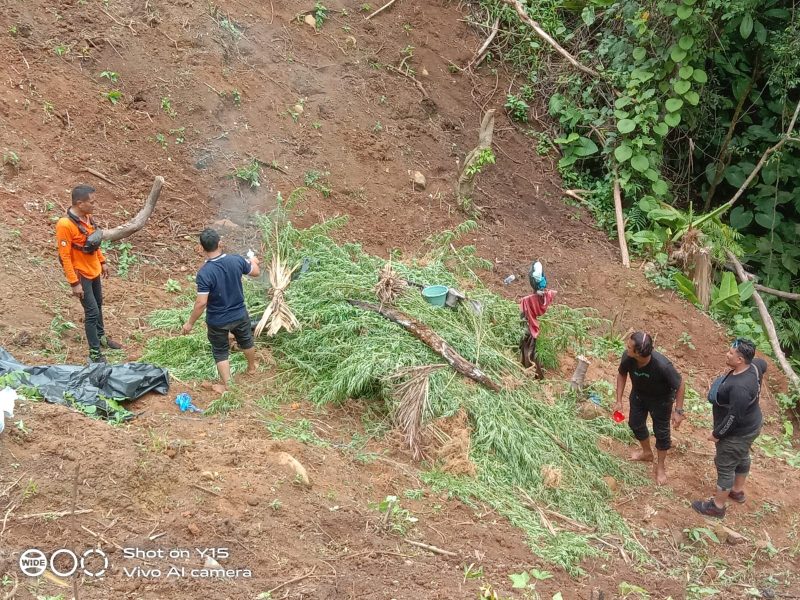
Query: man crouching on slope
{"points": [[220, 294]]}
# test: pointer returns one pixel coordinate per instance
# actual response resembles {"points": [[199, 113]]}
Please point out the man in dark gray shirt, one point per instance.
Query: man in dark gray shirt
{"points": [[737, 423]]}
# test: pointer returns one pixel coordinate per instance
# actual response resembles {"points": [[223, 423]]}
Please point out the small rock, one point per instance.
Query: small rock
{"points": [[172, 452], [211, 563], [419, 180], [589, 410], [310, 21], [611, 483], [298, 108], [207, 475], [225, 224], [253, 500], [424, 71], [193, 528]]}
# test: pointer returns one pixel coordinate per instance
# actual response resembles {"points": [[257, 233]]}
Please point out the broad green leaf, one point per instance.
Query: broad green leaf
{"points": [[648, 203], [692, 98], [642, 75], [673, 104], [686, 287], [623, 153], [686, 42], [558, 596], [672, 119], [541, 575], [640, 163], [777, 13], [622, 102], [761, 33], [740, 218], [660, 187], [735, 176], [682, 86], [700, 76], [585, 147], [587, 14], [639, 53], [768, 220], [567, 160], [689, 2], [790, 263], [727, 296], [661, 129], [677, 54], [686, 71], [626, 125], [684, 12], [651, 174], [572, 137], [520, 580], [746, 26], [769, 174], [646, 237], [746, 290], [622, 114]]}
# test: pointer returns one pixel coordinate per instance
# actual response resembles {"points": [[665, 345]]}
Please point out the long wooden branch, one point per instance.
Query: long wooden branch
{"points": [[137, 222], [768, 324], [517, 5], [428, 336], [774, 292], [623, 244], [481, 53]]}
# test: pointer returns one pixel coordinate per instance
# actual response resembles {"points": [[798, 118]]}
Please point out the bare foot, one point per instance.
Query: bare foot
{"points": [[660, 474], [642, 456], [218, 388], [251, 371]]}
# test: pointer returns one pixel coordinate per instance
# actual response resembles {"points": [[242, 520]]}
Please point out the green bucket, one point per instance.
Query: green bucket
{"points": [[435, 294]]}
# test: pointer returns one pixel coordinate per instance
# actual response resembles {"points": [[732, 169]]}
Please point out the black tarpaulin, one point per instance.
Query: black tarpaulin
{"points": [[88, 385]]}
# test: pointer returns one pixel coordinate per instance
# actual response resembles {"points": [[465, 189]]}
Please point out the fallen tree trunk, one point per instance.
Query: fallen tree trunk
{"points": [[768, 324], [137, 222], [778, 293], [428, 336]]}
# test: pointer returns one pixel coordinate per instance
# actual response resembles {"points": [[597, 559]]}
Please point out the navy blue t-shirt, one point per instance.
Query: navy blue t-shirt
{"points": [[221, 279]]}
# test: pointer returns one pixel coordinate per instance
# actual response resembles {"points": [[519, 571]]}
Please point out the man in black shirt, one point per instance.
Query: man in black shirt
{"points": [[737, 423], [655, 384]]}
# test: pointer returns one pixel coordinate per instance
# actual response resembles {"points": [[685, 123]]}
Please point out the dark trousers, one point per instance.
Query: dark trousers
{"points": [[527, 349], [93, 310], [660, 411], [733, 458]]}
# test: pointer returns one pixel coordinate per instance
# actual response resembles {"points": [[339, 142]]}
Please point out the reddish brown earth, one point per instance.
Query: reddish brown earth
{"points": [[140, 480]]}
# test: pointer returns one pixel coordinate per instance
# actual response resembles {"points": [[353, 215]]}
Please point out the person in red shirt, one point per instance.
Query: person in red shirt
{"points": [[78, 242], [532, 307]]}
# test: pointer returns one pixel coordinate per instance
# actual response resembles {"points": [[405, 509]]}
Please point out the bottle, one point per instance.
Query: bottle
{"points": [[509, 279]]}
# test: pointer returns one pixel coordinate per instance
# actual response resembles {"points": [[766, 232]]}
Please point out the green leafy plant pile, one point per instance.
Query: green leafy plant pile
{"points": [[344, 352]]}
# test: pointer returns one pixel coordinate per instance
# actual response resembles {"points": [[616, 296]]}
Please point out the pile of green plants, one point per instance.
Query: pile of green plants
{"points": [[344, 352]]}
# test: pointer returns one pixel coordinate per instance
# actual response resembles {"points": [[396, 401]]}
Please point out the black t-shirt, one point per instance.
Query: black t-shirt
{"points": [[657, 380], [736, 410]]}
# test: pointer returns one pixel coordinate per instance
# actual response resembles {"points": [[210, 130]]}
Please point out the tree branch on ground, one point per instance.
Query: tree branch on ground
{"points": [[623, 244], [466, 179], [517, 5], [767, 320]]}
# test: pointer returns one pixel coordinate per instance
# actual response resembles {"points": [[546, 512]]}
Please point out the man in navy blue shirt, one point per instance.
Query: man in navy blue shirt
{"points": [[220, 295]]}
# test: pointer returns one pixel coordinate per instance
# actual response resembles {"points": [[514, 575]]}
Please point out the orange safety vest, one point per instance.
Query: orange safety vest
{"points": [[75, 262]]}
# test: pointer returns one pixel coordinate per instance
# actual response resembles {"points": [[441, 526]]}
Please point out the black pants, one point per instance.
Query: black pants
{"points": [[733, 458], [660, 411], [527, 348], [218, 337], [93, 310]]}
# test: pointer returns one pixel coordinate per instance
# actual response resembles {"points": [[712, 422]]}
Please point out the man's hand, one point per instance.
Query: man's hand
{"points": [[77, 290], [712, 438], [677, 419], [187, 328], [617, 406], [104, 270]]}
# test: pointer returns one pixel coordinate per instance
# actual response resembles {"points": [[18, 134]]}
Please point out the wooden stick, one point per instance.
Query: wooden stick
{"points": [[206, 490], [434, 549], [416, 81], [623, 245], [137, 222], [477, 59], [99, 175], [426, 335], [381, 9], [767, 320], [774, 292], [295, 580], [517, 5], [56, 515]]}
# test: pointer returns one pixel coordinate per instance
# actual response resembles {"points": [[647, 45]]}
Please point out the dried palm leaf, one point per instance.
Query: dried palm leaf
{"points": [[411, 394], [278, 315], [389, 285]]}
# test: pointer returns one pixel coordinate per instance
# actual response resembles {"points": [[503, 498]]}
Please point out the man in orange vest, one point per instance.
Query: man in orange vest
{"points": [[78, 240]]}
